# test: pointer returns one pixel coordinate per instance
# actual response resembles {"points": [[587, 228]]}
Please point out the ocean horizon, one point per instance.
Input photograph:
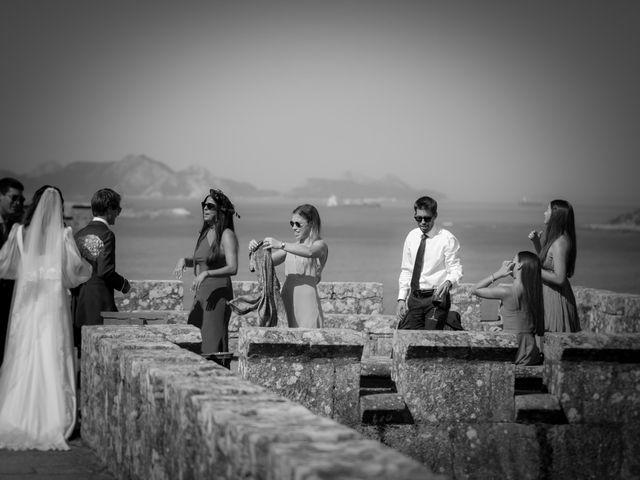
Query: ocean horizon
{"points": [[365, 242]]}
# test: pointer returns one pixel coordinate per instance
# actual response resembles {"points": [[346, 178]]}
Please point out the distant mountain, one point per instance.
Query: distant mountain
{"points": [[134, 176], [388, 187], [139, 176], [626, 222]]}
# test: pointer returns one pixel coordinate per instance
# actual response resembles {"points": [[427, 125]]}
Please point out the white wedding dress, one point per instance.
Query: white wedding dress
{"points": [[37, 378]]}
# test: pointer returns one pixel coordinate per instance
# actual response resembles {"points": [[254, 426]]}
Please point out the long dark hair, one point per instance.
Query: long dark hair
{"points": [[28, 215], [226, 212], [561, 222], [532, 300]]}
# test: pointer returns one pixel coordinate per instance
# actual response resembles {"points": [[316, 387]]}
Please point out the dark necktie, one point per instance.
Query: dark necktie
{"points": [[417, 266]]}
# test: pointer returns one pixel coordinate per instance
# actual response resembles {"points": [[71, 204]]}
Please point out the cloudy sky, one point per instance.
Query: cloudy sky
{"points": [[480, 100]]}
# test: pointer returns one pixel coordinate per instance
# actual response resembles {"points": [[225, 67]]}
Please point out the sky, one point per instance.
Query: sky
{"points": [[481, 100]]}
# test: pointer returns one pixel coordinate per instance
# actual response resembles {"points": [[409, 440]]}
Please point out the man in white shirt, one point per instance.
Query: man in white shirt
{"points": [[430, 267]]}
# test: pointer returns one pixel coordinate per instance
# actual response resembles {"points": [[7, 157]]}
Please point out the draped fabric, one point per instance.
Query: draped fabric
{"points": [[268, 302], [37, 378]]}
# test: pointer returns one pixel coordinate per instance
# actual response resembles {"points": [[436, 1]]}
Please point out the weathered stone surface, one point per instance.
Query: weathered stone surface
{"points": [[384, 408], [595, 376], [153, 410], [539, 408], [602, 311], [146, 317], [335, 297], [152, 295], [337, 461], [594, 452], [448, 376], [318, 368], [469, 450]]}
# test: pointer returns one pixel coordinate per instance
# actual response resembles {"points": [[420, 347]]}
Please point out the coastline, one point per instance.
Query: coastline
{"points": [[621, 227]]}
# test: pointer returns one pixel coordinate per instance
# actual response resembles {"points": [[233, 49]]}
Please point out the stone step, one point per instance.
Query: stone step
{"points": [[364, 391], [539, 408], [384, 408], [376, 366], [528, 379]]}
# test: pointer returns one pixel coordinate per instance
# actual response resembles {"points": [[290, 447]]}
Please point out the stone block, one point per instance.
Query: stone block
{"points": [[352, 460], [152, 295], [595, 376], [595, 452], [319, 368], [448, 376], [470, 450], [153, 410]]}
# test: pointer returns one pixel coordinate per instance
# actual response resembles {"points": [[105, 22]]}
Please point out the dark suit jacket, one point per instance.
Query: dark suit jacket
{"points": [[97, 244], [6, 295]]}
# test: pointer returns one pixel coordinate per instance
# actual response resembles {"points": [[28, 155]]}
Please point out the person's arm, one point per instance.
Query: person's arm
{"points": [[452, 265], [184, 262], [106, 265], [10, 255], [534, 236], [277, 256], [317, 249], [404, 280], [483, 288], [75, 269], [560, 251]]}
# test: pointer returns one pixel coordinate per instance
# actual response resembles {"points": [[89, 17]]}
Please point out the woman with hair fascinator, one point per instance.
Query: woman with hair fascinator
{"points": [[37, 378], [214, 261]]}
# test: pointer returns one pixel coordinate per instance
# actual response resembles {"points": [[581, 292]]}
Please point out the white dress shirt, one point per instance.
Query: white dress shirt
{"points": [[441, 261]]}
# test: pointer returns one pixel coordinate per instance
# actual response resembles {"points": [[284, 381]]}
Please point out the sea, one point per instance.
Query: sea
{"points": [[365, 242]]}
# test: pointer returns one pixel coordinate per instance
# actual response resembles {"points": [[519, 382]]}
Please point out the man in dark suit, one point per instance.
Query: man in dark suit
{"points": [[97, 244], [11, 203]]}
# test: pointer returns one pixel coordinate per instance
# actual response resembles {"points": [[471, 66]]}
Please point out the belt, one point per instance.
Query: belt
{"points": [[423, 293]]}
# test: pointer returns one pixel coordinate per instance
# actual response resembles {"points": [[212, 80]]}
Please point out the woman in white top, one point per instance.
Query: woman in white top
{"points": [[304, 259]]}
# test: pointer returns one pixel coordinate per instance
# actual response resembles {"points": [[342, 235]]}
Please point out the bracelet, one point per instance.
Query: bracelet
{"points": [[282, 246]]}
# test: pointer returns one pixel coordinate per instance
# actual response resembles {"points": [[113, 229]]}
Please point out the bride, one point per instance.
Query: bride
{"points": [[37, 378]]}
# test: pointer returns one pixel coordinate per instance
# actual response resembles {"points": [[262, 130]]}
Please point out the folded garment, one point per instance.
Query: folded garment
{"points": [[268, 302]]}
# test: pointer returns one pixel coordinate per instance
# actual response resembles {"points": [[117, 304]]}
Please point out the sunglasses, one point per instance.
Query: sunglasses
{"points": [[16, 198], [296, 224], [208, 206], [420, 219]]}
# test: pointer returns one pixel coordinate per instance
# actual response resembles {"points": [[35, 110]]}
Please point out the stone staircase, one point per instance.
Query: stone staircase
{"points": [[533, 403], [381, 404]]}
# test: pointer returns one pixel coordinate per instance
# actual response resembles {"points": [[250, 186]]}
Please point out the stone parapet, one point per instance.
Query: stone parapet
{"points": [[602, 311], [595, 376], [153, 410], [319, 368], [152, 295], [448, 376]]}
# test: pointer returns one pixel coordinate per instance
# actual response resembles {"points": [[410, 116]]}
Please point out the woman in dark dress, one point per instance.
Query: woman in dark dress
{"points": [[557, 248], [214, 261]]}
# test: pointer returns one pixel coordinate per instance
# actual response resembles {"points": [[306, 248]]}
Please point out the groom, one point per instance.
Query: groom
{"points": [[97, 244]]}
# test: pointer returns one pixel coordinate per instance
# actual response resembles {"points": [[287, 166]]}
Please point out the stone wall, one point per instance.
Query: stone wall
{"points": [[154, 410], [459, 388], [318, 368], [600, 311]]}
